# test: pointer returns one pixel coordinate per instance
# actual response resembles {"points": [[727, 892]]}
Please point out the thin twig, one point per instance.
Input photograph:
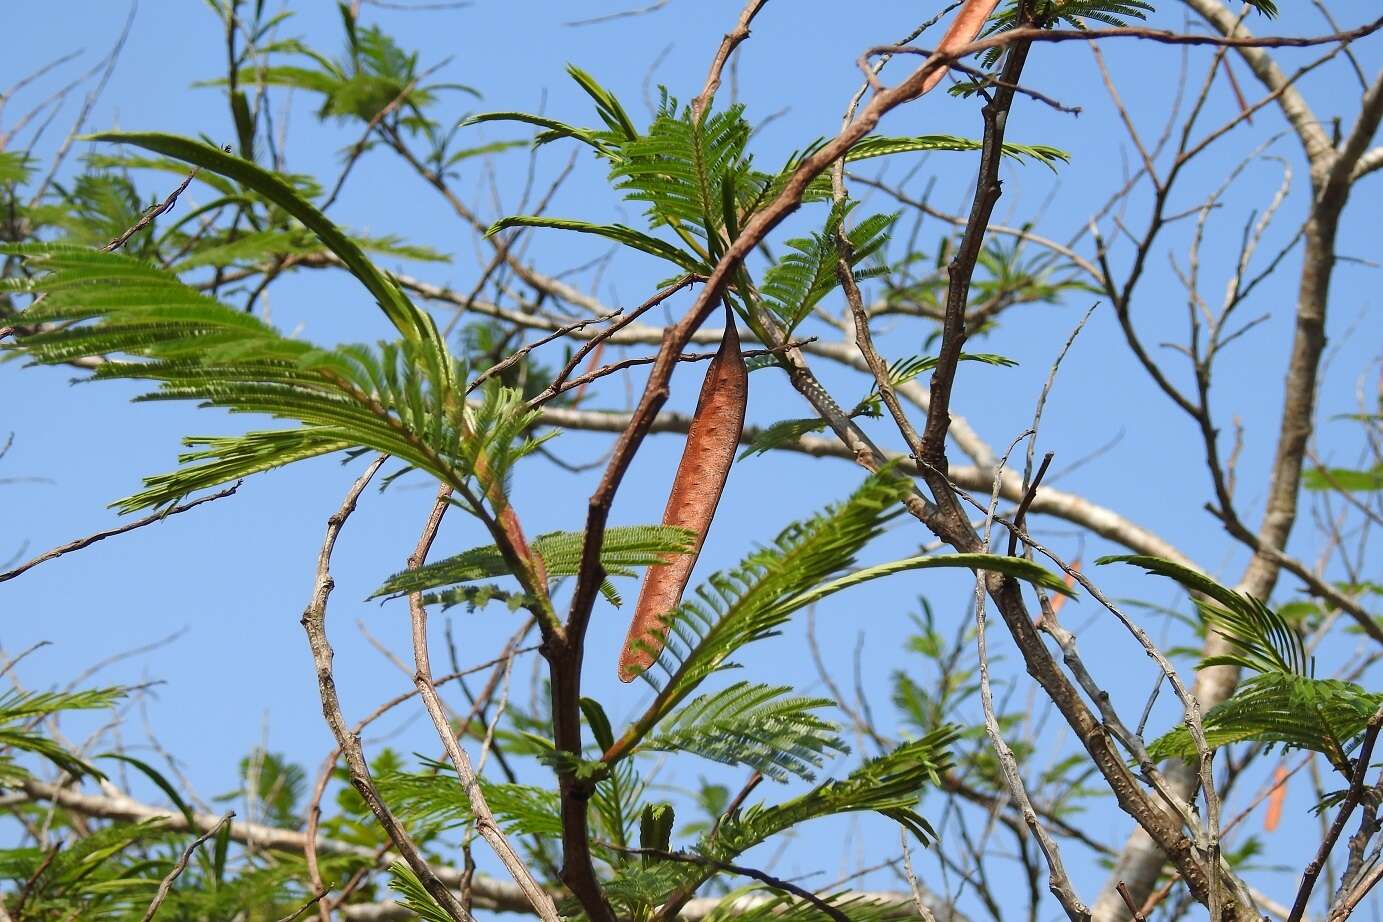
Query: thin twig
{"points": [[518, 356], [733, 39], [148, 217], [1352, 798], [762, 877], [311, 901], [622, 364], [489, 830], [1134, 910], [314, 623], [166, 885], [89, 540]]}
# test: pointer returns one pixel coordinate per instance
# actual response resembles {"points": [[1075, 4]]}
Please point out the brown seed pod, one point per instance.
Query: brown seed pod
{"points": [[961, 32], [712, 439]]}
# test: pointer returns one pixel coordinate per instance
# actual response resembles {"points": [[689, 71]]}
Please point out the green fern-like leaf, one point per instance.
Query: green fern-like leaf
{"points": [[413, 896], [877, 146], [679, 168], [626, 547], [783, 432], [406, 399], [1263, 641], [890, 784], [1073, 14], [21, 718], [414, 324], [436, 797], [759, 904], [749, 603], [1320, 715], [807, 273], [755, 725], [1282, 703], [904, 370], [627, 236]]}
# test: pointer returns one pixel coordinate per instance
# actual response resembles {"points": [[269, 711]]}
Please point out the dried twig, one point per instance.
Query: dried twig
{"points": [[148, 217], [314, 623], [733, 39], [489, 830], [166, 885], [89, 540], [1352, 798]]}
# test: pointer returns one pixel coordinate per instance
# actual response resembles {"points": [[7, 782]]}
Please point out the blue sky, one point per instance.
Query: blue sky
{"points": [[235, 575]]}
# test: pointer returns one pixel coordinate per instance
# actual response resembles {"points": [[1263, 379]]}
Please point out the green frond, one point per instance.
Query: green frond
{"points": [[890, 784], [752, 601], [617, 232], [1344, 479], [626, 547], [474, 597], [616, 806], [437, 798], [225, 459], [607, 106], [413, 896], [754, 725], [807, 272], [406, 399], [94, 875], [100, 161], [636, 888], [1263, 640], [411, 322], [783, 432], [1193, 580], [682, 168], [878, 146], [553, 129], [1016, 567], [253, 247], [775, 906], [15, 167], [1320, 715], [902, 371], [1073, 14], [21, 719]]}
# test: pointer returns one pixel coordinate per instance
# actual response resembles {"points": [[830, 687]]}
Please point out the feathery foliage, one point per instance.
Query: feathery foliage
{"points": [[798, 281], [1281, 702], [404, 398], [750, 602], [626, 547], [751, 724], [22, 712], [695, 177], [890, 784]]}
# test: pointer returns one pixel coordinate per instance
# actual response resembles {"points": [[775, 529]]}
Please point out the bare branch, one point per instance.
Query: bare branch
{"points": [[89, 540], [166, 885]]}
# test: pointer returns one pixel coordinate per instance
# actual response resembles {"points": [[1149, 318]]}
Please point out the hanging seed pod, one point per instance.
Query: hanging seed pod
{"points": [[712, 439], [961, 32]]}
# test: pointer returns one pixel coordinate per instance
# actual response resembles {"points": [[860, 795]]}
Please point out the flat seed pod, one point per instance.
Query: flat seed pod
{"points": [[712, 440], [961, 32]]}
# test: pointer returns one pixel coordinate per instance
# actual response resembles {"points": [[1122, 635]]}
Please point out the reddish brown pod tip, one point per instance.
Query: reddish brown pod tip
{"points": [[712, 441], [961, 32]]}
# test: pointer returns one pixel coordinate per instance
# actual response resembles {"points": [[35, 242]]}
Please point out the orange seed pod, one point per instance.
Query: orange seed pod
{"points": [[712, 439]]}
